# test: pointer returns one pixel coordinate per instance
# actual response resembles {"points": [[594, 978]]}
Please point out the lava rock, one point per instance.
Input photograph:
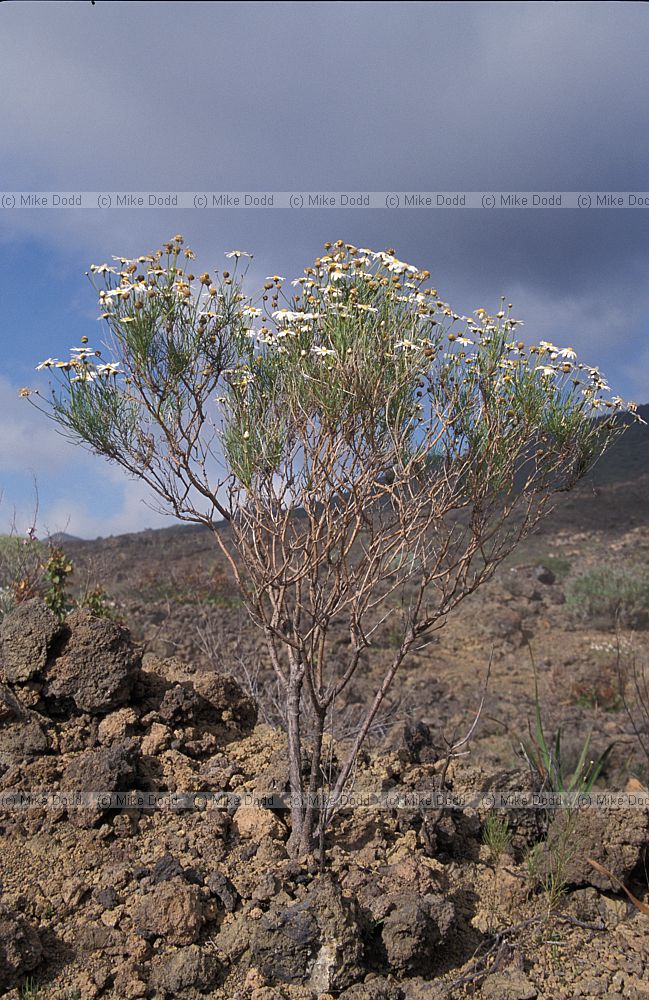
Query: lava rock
{"points": [[28, 636], [180, 704], [227, 701], [412, 741], [107, 898], [20, 947], [375, 988], [97, 667], [316, 942], [22, 741], [10, 708], [522, 582], [509, 985], [221, 887], [616, 838], [173, 911], [165, 869], [545, 576], [187, 968], [412, 929], [108, 770]]}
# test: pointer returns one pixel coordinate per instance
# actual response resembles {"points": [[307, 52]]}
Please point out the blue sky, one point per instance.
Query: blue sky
{"points": [[323, 96]]}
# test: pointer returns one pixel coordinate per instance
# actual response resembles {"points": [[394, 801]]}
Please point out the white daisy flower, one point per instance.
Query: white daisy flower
{"points": [[103, 269]]}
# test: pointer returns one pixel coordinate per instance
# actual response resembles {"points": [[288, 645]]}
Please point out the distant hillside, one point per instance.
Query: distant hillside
{"points": [[624, 469], [628, 458], [63, 538]]}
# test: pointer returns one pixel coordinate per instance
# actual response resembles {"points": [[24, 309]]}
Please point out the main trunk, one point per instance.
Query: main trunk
{"points": [[296, 781], [305, 807]]}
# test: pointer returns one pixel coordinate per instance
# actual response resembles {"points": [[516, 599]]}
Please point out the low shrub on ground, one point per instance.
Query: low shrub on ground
{"points": [[608, 597]]}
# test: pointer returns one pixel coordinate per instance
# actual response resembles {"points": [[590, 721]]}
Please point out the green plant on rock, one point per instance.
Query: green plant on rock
{"points": [[368, 447], [549, 863], [57, 569], [496, 835], [96, 601], [546, 759]]}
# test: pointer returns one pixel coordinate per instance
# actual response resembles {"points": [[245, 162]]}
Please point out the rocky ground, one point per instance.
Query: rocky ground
{"points": [[196, 898]]}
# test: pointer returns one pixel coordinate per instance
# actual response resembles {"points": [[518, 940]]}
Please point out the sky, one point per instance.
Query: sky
{"points": [[313, 97]]}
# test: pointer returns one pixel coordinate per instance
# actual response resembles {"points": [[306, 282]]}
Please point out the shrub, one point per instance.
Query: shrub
{"points": [[21, 570], [608, 597], [496, 835], [369, 447]]}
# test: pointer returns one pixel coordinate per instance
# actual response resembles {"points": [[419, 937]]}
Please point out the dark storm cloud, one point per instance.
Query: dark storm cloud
{"points": [[339, 96], [348, 96]]}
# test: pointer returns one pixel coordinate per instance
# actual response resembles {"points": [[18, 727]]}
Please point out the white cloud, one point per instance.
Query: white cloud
{"points": [[134, 513], [27, 440], [31, 450]]}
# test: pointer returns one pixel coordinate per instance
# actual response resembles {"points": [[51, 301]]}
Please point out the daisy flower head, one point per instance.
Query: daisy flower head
{"points": [[103, 269]]}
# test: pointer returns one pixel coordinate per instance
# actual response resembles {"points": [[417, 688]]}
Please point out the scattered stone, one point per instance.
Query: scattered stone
{"points": [[188, 968], [106, 771], [253, 822], [221, 887], [509, 985], [20, 947], [165, 869], [173, 911], [107, 897], [315, 942], [412, 929]]}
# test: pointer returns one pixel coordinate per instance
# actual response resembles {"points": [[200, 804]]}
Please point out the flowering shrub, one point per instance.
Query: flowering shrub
{"points": [[369, 447]]}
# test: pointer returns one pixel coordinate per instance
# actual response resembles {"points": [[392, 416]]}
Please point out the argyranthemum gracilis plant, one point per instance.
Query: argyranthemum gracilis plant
{"points": [[417, 445]]}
